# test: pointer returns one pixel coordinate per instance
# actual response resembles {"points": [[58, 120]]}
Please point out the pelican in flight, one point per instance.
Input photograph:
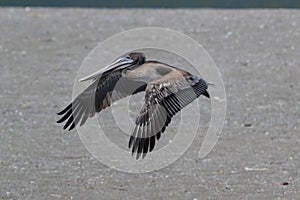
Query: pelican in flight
{"points": [[168, 90]]}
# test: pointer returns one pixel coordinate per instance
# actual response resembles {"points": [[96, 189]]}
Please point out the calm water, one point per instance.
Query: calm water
{"points": [[157, 3]]}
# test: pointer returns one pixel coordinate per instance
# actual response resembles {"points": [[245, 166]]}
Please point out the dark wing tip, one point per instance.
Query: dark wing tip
{"points": [[205, 93], [200, 88], [65, 109], [70, 120], [65, 117], [72, 126], [152, 143], [140, 147], [68, 117]]}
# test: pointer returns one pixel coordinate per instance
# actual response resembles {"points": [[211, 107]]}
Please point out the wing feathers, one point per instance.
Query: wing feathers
{"points": [[65, 110], [98, 96], [161, 104]]}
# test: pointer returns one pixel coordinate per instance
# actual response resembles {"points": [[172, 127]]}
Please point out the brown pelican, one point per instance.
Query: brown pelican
{"points": [[168, 90]]}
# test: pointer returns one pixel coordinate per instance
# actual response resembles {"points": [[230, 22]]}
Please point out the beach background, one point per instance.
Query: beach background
{"points": [[257, 156]]}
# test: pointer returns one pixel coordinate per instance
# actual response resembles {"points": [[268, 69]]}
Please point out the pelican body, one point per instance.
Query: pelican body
{"points": [[168, 89]]}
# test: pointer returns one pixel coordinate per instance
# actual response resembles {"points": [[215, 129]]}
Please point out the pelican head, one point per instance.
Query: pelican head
{"points": [[137, 57], [127, 60]]}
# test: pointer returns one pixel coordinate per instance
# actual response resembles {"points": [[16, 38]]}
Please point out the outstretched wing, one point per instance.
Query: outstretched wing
{"points": [[163, 99], [96, 97]]}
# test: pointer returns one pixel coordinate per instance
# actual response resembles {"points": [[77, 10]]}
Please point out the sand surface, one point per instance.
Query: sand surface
{"points": [[257, 52]]}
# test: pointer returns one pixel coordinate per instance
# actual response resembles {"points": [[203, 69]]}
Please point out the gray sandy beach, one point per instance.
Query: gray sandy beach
{"points": [[256, 157]]}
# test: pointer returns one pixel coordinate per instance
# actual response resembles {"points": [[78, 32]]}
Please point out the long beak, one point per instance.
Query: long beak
{"points": [[118, 63]]}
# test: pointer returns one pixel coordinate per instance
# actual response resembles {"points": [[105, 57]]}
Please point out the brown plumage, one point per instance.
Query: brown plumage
{"points": [[168, 90]]}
